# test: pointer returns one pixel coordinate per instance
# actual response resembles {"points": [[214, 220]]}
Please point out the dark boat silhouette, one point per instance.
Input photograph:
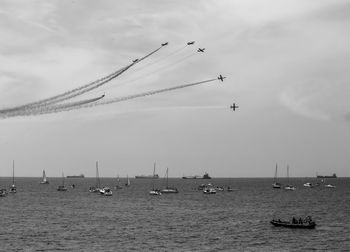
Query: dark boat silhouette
{"points": [[307, 223]]}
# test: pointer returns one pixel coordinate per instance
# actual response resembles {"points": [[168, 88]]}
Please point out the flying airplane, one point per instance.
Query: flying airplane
{"points": [[200, 49], [221, 78], [164, 44], [234, 107], [190, 43]]}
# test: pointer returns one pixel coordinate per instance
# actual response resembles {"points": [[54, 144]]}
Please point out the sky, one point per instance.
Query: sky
{"points": [[287, 68]]}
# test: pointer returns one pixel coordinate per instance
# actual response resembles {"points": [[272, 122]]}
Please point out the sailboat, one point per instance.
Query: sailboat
{"points": [[275, 184], [167, 188], [44, 181], [127, 181], [118, 186], [96, 188], [62, 188], [13, 188], [154, 191], [288, 187]]}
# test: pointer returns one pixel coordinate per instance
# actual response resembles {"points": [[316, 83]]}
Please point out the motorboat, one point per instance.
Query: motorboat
{"points": [[308, 184], [155, 192], [306, 223], [330, 186], [106, 191], [209, 190]]}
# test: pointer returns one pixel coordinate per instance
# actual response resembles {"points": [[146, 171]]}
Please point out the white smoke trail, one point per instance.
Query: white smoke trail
{"points": [[68, 107], [77, 91]]}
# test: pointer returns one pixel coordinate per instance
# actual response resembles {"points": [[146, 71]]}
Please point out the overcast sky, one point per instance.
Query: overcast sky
{"points": [[287, 67]]}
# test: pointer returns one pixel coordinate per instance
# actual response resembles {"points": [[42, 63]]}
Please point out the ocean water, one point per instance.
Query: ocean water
{"points": [[39, 218]]}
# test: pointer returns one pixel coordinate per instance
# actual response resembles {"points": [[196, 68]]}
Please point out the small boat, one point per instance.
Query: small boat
{"points": [[308, 184], [288, 187], [117, 187], [13, 188], [168, 189], [3, 192], [127, 181], [62, 188], [209, 190], [330, 186], [106, 191], [44, 181], [154, 192], [306, 223], [275, 184], [97, 187]]}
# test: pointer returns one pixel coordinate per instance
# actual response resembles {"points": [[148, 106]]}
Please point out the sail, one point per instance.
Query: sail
{"points": [[44, 176]]}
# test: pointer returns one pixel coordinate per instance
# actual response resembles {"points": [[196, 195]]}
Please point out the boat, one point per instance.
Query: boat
{"points": [[97, 187], [106, 191], [307, 223], [76, 176], [206, 176], [330, 186], [288, 187], [168, 189], [13, 188], [308, 184], [3, 192], [209, 189], [117, 187], [62, 188], [44, 181], [334, 175], [275, 184], [154, 192], [127, 181], [154, 176], [191, 177]]}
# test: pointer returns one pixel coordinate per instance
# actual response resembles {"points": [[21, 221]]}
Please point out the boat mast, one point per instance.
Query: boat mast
{"points": [[276, 174], [97, 176], [167, 178], [288, 174], [154, 171], [13, 172]]}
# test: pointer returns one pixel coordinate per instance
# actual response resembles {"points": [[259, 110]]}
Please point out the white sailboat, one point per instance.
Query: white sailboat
{"points": [[13, 188], [288, 187], [62, 187], [168, 189], [97, 187], [275, 184], [118, 186], [154, 191], [44, 181], [127, 181]]}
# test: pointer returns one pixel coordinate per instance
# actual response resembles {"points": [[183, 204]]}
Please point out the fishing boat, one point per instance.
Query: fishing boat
{"points": [[307, 223], [44, 181], [154, 192], [168, 189], [13, 188], [275, 184], [288, 187], [97, 187], [62, 187]]}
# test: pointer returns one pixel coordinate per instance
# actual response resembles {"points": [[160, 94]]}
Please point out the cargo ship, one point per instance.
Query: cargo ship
{"points": [[205, 176], [332, 176], [155, 176], [76, 176]]}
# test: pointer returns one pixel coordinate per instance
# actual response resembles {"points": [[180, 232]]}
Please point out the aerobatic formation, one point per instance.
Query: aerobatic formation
{"points": [[59, 103]]}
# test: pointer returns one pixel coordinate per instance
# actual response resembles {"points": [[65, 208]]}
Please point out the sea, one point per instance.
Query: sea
{"points": [[40, 218]]}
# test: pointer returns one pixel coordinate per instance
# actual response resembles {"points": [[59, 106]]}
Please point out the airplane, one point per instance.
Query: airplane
{"points": [[135, 60], [164, 44], [190, 43], [221, 78], [200, 49], [234, 107]]}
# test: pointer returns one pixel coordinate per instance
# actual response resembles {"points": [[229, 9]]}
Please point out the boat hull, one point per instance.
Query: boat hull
{"points": [[287, 224]]}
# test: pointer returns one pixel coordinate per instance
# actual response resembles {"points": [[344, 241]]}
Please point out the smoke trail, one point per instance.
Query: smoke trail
{"points": [[77, 91], [68, 107]]}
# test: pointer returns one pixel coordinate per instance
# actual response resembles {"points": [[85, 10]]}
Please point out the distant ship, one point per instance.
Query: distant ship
{"points": [[155, 176], [76, 176], [332, 176], [205, 176]]}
